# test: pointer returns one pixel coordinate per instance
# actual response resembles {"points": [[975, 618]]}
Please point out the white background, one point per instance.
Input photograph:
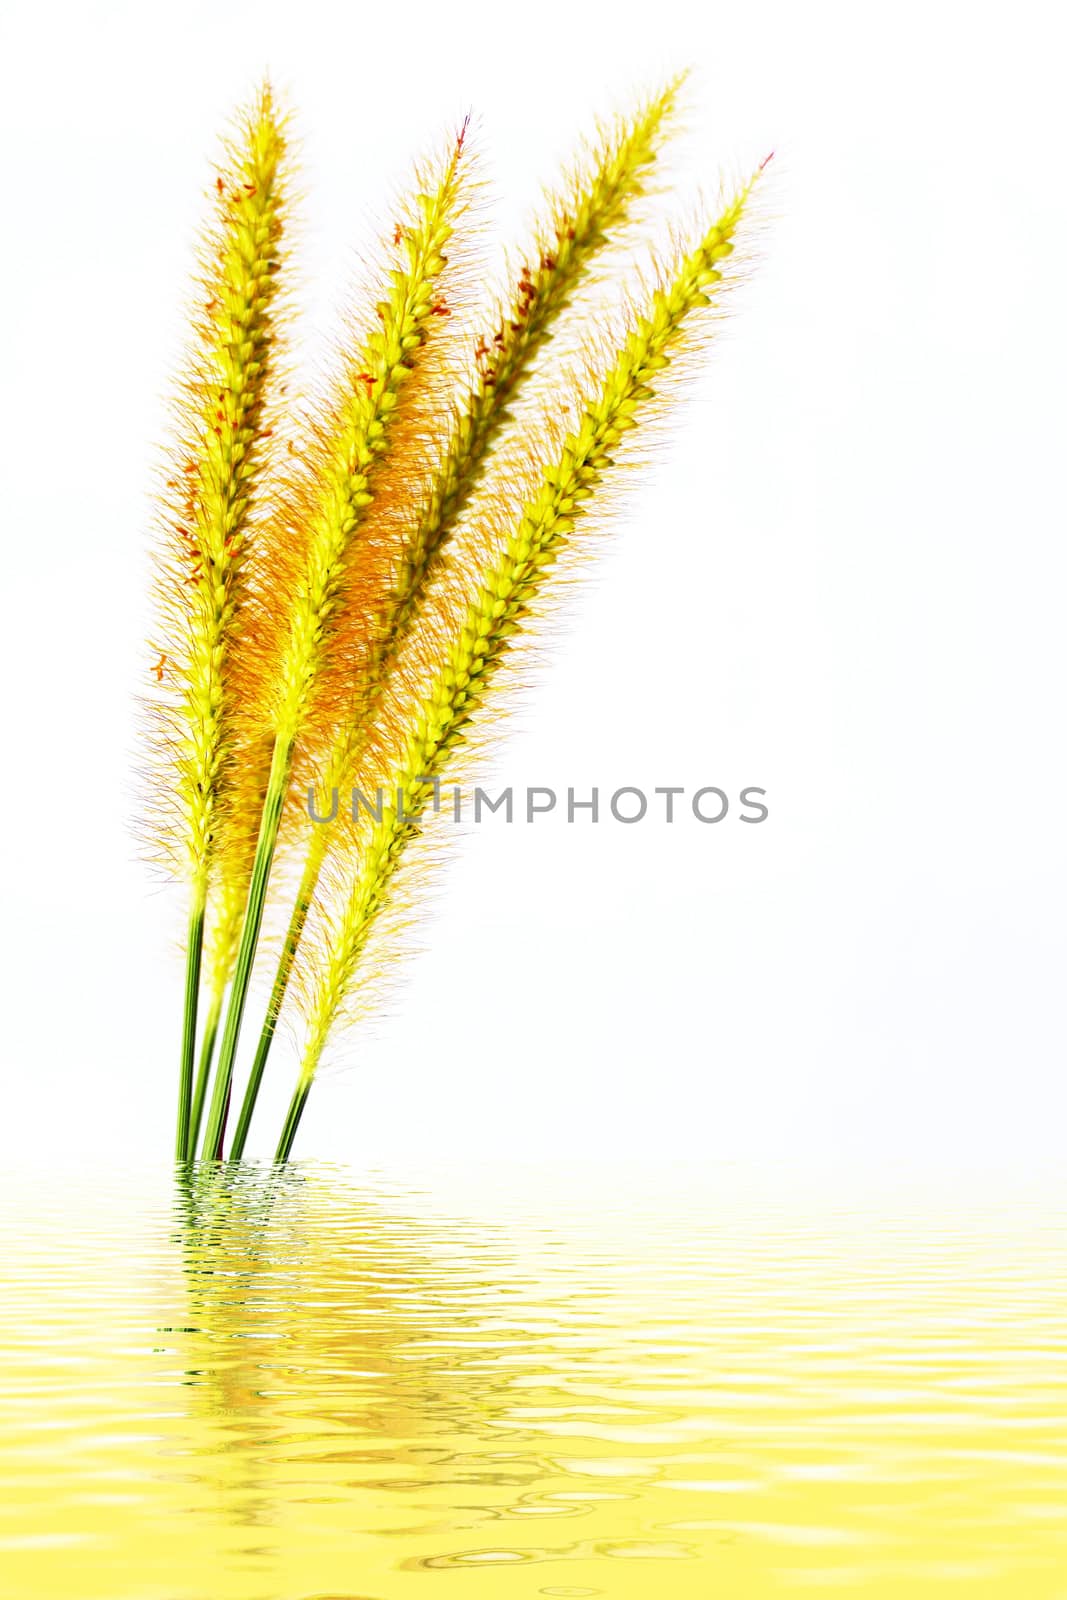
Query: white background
{"points": [[843, 580]]}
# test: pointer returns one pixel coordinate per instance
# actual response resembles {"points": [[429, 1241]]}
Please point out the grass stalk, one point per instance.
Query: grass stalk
{"points": [[281, 763], [312, 610], [581, 221], [304, 898], [371, 391], [193, 954], [501, 609], [217, 463], [203, 1072], [292, 1121]]}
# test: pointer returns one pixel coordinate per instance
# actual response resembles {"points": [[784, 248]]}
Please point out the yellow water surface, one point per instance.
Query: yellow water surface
{"points": [[319, 1387]]}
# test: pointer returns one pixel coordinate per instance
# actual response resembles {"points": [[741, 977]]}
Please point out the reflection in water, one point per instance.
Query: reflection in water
{"points": [[287, 1387]]}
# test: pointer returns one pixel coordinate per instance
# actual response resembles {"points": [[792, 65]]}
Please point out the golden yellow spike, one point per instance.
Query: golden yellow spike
{"points": [[592, 205], [505, 600], [217, 463], [314, 555]]}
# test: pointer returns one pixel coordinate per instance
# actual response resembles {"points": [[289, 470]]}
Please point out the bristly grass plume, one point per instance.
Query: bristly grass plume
{"points": [[292, 592], [217, 463], [319, 557], [594, 205]]}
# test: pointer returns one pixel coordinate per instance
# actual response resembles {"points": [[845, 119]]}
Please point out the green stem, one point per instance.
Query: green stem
{"points": [[194, 951], [305, 895], [246, 950], [216, 1154], [203, 1071], [292, 1120]]}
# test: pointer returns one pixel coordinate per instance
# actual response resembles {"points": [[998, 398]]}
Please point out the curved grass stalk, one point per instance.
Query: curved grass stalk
{"points": [[595, 204], [218, 462], [371, 392], [506, 599]]}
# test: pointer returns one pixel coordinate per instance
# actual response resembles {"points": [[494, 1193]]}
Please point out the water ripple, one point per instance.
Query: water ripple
{"points": [[260, 1386]]}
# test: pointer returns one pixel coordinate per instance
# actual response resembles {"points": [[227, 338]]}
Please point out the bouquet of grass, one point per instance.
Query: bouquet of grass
{"points": [[341, 581]]}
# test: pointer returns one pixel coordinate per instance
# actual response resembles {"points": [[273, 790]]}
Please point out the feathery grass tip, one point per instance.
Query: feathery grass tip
{"points": [[217, 462], [368, 397], [594, 204], [498, 613]]}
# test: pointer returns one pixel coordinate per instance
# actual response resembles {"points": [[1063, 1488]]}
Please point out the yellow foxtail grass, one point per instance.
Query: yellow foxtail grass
{"points": [[217, 461], [595, 203], [255, 667], [316, 551], [507, 598]]}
